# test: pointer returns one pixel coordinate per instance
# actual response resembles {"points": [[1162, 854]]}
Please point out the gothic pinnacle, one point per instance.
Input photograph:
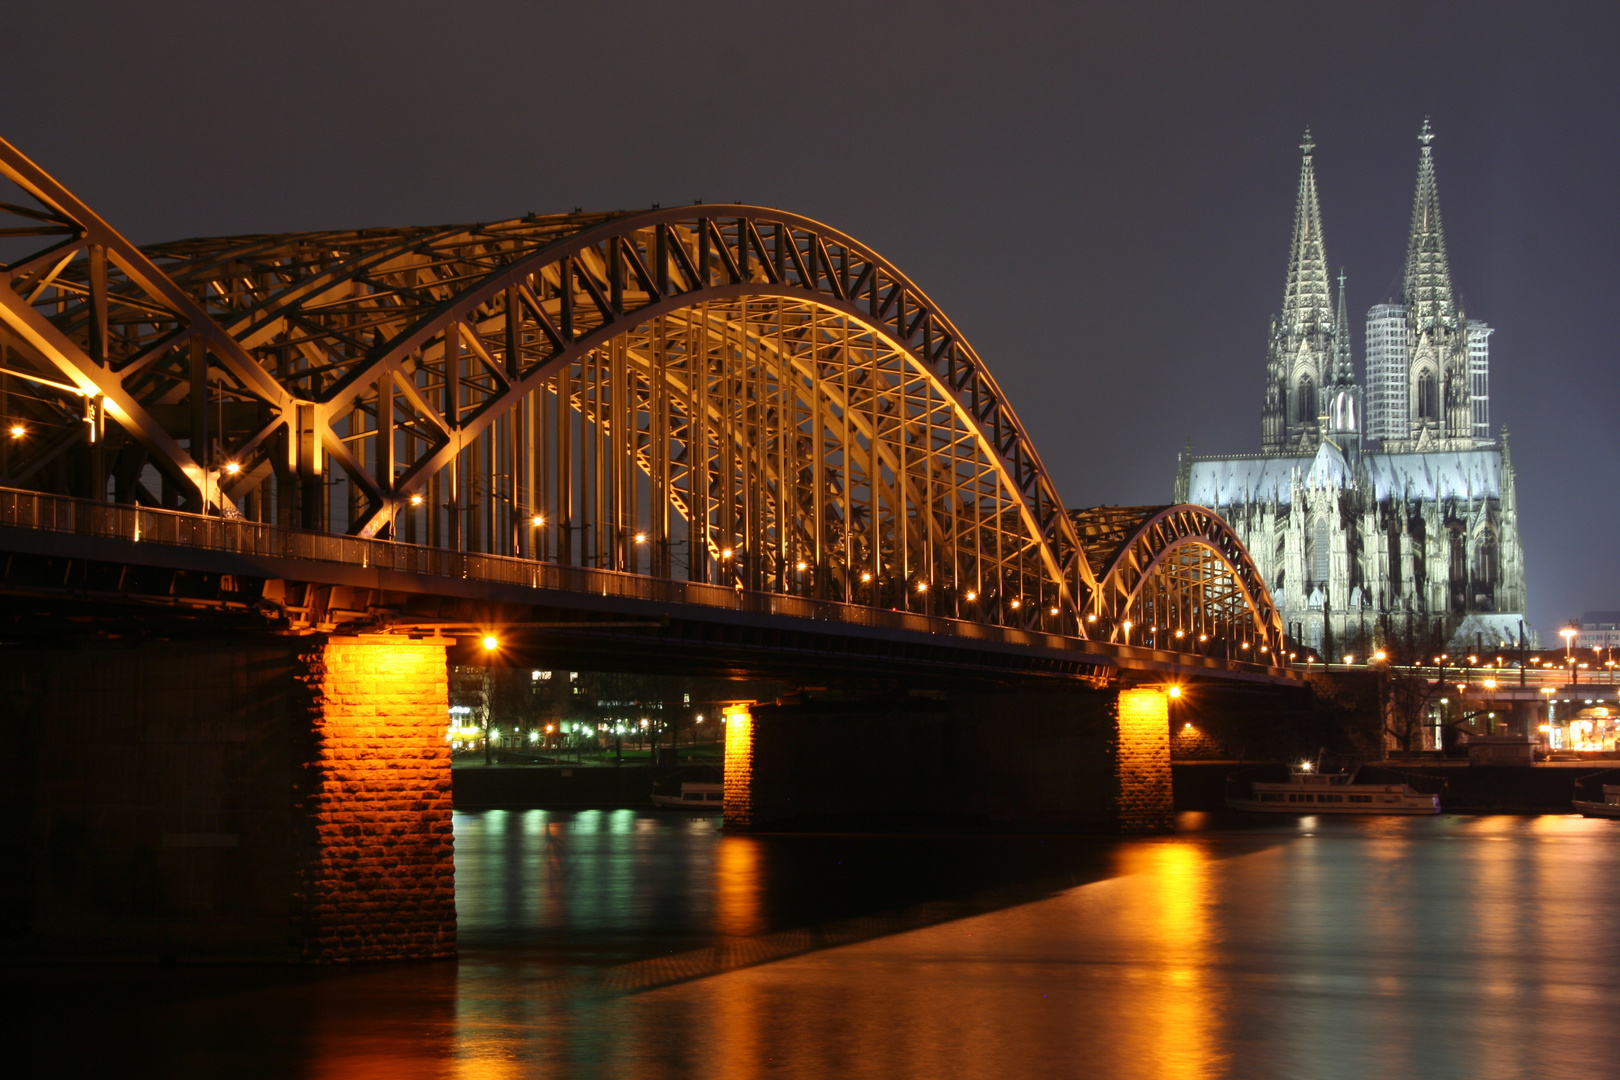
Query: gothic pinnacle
{"points": [[1428, 276]]}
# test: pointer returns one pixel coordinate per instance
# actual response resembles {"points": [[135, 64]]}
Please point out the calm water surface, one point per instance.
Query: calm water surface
{"points": [[621, 943]]}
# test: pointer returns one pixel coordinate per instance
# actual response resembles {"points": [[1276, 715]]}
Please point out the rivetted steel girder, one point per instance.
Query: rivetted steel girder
{"points": [[515, 302], [570, 293], [1156, 542], [231, 359]]}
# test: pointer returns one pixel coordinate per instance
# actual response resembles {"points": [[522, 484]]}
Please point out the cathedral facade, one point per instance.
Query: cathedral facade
{"points": [[1382, 511]]}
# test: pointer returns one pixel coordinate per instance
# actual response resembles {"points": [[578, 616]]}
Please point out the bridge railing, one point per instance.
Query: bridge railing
{"points": [[140, 524], [1483, 678]]}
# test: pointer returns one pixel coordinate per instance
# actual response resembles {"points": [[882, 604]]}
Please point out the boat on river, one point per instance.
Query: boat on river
{"points": [[1310, 792], [1609, 807], [693, 796]]}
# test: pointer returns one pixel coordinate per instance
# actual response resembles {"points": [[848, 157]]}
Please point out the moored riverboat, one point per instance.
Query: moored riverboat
{"points": [[1309, 792], [693, 796], [1609, 807]]}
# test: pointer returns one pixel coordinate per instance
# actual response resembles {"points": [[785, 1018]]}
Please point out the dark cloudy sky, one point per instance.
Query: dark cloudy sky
{"points": [[1099, 195]]}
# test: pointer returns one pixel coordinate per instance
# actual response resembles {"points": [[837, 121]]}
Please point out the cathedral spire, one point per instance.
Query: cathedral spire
{"points": [[1428, 276], [1344, 372], [1301, 358], [1307, 299]]}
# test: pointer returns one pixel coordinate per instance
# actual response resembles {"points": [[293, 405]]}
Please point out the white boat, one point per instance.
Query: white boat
{"points": [[1308, 792], [694, 797], [1609, 807]]}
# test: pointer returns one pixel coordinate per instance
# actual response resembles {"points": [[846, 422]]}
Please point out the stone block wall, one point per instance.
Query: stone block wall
{"points": [[1193, 742], [150, 799], [1146, 802], [257, 798], [739, 773], [377, 876], [1059, 760]]}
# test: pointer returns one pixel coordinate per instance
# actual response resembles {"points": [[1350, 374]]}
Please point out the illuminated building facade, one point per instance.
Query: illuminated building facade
{"points": [[1384, 508]]}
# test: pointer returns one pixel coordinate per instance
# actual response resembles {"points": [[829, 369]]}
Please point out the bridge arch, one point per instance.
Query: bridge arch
{"points": [[752, 386], [1178, 578]]}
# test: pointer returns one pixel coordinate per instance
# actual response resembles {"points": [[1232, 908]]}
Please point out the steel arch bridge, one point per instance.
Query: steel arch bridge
{"points": [[728, 394]]}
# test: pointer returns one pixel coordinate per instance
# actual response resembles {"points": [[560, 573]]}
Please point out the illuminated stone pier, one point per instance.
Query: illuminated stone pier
{"points": [[1071, 760], [273, 798]]}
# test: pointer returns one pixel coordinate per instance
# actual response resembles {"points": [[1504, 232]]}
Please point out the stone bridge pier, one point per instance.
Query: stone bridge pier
{"points": [[271, 798], [1062, 760]]}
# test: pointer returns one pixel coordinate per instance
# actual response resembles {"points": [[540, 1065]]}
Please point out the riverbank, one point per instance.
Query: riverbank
{"points": [[478, 786], [1544, 788]]}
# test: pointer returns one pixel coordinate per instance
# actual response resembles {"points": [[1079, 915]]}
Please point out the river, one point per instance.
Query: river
{"points": [[636, 944]]}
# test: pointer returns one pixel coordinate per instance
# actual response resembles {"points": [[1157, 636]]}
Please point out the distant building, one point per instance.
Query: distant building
{"points": [[1383, 510], [1599, 630]]}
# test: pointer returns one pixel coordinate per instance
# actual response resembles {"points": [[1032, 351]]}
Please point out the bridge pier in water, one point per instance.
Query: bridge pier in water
{"points": [[273, 798], [1062, 760]]}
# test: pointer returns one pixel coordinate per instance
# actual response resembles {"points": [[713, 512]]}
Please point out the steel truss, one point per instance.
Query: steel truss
{"points": [[726, 393], [1179, 578]]}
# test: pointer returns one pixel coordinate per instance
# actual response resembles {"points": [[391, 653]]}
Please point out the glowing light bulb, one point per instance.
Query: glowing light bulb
{"points": [[1175, 691], [18, 431], [233, 467], [801, 565], [971, 596], [416, 500], [641, 538], [491, 642], [538, 520], [1017, 603]]}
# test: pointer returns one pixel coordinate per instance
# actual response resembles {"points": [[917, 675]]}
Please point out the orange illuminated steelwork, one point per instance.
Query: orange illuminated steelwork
{"points": [[550, 387]]}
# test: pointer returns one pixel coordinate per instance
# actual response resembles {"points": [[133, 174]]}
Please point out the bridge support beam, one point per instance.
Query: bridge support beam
{"points": [[270, 798], [1070, 760]]}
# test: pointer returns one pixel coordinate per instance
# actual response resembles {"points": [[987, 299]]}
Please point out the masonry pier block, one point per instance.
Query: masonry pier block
{"points": [[1067, 760], [270, 798]]}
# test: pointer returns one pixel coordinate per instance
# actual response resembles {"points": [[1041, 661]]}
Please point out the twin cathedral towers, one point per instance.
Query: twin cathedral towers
{"points": [[1427, 366], [1379, 511]]}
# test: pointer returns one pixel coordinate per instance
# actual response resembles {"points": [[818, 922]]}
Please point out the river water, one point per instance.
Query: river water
{"points": [[623, 943]]}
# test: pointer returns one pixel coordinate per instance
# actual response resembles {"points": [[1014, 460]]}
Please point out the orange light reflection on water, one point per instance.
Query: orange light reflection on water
{"points": [[1179, 1016]]}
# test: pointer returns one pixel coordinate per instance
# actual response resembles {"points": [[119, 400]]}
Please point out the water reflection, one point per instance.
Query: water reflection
{"points": [[737, 885], [615, 943]]}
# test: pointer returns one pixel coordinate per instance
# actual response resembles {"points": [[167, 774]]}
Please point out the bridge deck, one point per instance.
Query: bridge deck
{"points": [[43, 525]]}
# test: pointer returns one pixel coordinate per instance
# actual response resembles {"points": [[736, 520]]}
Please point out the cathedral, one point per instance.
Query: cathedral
{"points": [[1384, 510]]}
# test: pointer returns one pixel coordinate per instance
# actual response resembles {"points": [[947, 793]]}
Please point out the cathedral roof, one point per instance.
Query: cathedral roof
{"points": [[1426, 477]]}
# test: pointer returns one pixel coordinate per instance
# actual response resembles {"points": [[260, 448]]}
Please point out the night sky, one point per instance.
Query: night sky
{"points": [[1099, 196]]}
